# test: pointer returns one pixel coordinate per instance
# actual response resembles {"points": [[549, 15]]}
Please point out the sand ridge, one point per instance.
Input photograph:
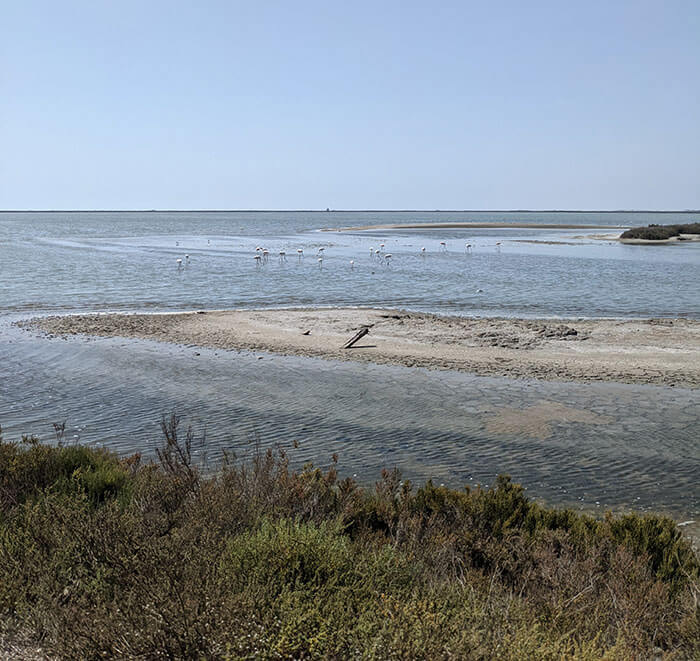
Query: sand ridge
{"points": [[652, 351], [471, 225]]}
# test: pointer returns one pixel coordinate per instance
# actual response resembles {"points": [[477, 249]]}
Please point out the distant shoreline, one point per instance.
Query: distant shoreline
{"points": [[660, 211], [472, 225]]}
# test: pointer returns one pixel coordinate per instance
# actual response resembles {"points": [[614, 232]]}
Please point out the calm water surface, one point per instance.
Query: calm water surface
{"points": [[636, 446], [84, 261]]}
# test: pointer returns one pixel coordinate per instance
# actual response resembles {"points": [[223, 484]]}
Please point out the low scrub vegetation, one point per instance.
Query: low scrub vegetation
{"points": [[660, 232], [108, 557]]}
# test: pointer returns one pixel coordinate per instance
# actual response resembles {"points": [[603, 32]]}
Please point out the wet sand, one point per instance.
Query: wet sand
{"points": [[652, 351]]}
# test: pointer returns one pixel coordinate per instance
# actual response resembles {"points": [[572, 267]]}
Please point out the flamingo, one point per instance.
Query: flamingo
{"points": [[443, 245], [352, 265]]}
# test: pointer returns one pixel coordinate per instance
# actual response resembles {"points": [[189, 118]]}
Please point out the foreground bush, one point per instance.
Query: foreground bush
{"points": [[107, 557], [660, 232]]}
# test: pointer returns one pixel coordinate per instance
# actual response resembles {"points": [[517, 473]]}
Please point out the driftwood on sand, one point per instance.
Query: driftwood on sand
{"points": [[356, 337]]}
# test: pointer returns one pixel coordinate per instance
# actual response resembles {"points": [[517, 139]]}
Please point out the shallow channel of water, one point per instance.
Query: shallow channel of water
{"points": [[595, 445]]}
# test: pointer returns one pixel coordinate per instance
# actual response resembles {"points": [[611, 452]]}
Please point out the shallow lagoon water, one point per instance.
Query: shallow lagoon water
{"points": [[122, 261], [588, 445]]}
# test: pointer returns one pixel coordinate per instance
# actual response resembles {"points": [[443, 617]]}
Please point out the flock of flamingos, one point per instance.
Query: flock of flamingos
{"points": [[262, 255]]}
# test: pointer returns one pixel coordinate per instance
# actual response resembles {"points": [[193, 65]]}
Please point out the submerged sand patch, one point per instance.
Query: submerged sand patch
{"points": [[537, 421]]}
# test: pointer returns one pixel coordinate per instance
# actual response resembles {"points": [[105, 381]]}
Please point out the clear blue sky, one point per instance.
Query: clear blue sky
{"points": [[381, 104]]}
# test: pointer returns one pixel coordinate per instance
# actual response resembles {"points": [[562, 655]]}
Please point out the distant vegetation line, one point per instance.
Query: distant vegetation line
{"points": [[660, 232]]}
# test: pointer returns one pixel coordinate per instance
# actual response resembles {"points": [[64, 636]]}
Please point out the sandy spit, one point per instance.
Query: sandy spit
{"points": [[652, 351], [470, 225], [672, 239]]}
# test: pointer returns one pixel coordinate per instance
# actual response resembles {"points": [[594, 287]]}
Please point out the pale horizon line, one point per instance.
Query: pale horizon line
{"points": [[359, 210]]}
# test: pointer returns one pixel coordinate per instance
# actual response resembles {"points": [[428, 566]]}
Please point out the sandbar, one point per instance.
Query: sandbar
{"points": [[649, 351], [471, 225], [671, 239]]}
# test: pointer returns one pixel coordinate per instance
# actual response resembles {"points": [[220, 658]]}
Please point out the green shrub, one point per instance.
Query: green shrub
{"points": [[660, 232], [122, 559], [31, 467]]}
